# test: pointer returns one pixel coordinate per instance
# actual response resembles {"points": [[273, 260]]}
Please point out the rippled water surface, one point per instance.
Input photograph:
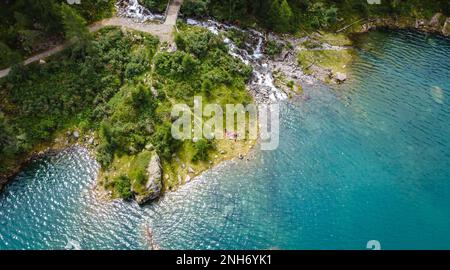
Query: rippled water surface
{"points": [[367, 160]]}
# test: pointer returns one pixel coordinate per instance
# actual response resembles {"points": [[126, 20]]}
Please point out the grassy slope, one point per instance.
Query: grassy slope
{"points": [[335, 60]]}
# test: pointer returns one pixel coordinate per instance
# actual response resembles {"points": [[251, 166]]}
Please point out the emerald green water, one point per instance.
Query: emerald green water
{"points": [[369, 160]]}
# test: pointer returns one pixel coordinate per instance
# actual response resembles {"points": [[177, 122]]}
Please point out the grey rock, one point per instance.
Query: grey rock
{"points": [[446, 28], [340, 77], [436, 21], [76, 134], [420, 23], [153, 185]]}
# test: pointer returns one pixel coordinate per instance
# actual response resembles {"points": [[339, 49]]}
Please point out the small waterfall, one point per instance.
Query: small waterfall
{"points": [[262, 84], [132, 9], [257, 54]]}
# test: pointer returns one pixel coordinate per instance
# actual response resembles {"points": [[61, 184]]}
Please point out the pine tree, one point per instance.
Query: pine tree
{"points": [[273, 12], [279, 16], [75, 28], [5, 133], [285, 17]]}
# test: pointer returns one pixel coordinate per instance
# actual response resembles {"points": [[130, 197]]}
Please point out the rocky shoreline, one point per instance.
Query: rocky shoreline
{"points": [[285, 62], [61, 142], [438, 24]]}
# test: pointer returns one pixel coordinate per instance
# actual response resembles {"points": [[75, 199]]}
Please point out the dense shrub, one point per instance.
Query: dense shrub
{"points": [[198, 41], [158, 6], [195, 8], [202, 148], [8, 56], [273, 48], [164, 142], [27, 26], [178, 64], [47, 98], [122, 186]]}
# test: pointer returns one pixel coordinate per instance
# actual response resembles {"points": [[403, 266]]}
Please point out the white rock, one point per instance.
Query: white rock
{"points": [[340, 77]]}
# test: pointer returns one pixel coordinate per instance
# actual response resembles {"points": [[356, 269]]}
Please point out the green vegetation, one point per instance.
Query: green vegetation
{"points": [[200, 67], [202, 149], [120, 86], [84, 90], [273, 48], [335, 60], [121, 186], [75, 28], [105, 84], [158, 6], [128, 171], [309, 15], [29, 26], [195, 8], [312, 55]]}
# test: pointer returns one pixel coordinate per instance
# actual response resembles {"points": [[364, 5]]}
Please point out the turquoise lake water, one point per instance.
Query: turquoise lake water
{"points": [[369, 160]]}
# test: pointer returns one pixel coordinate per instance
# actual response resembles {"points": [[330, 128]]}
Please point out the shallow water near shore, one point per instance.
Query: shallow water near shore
{"points": [[368, 160]]}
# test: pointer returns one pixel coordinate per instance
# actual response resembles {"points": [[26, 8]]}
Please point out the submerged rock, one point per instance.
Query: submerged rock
{"points": [[154, 185], [437, 94]]}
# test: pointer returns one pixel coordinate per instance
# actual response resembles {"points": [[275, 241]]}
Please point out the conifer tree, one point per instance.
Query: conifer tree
{"points": [[280, 15], [75, 28]]}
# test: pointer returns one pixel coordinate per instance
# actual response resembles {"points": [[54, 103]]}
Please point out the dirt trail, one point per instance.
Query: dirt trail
{"points": [[162, 31]]}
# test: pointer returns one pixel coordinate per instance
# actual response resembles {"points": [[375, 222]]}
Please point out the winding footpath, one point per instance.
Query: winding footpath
{"points": [[163, 31]]}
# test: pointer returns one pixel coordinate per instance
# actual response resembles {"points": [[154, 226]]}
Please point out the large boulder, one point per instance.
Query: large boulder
{"points": [[446, 28], [153, 185], [437, 21], [421, 23]]}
